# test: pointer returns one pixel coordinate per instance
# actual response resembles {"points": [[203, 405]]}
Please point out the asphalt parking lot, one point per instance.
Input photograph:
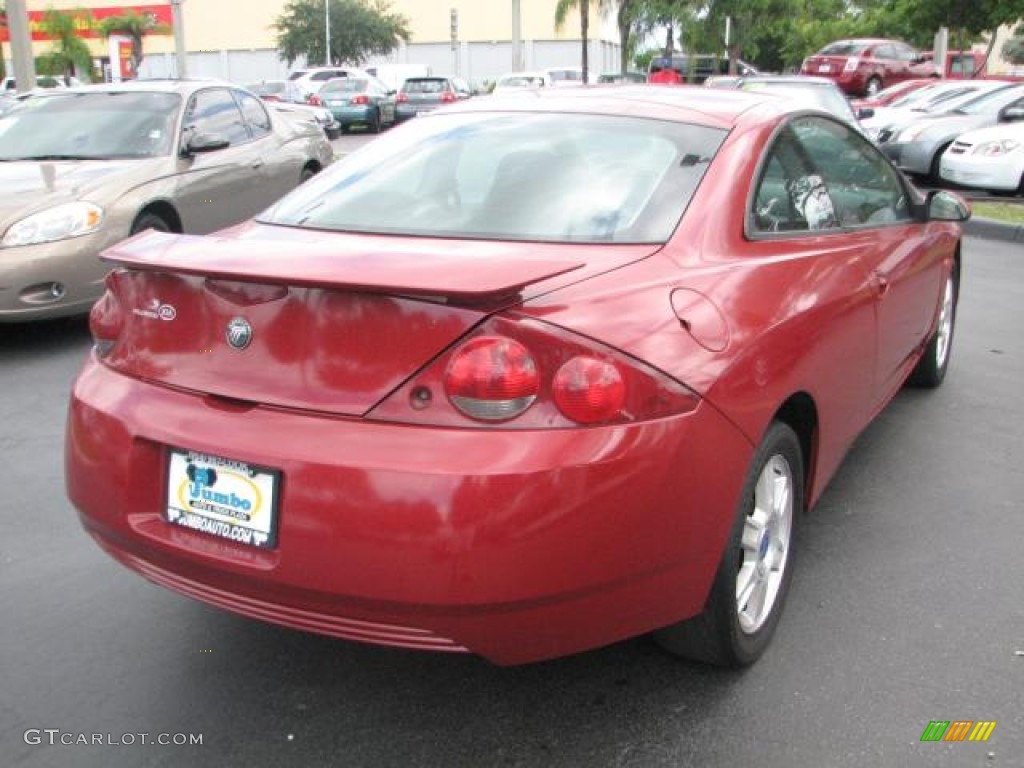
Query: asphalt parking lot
{"points": [[905, 610]]}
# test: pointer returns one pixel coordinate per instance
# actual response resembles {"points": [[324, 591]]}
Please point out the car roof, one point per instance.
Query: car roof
{"points": [[722, 108], [156, 85]]}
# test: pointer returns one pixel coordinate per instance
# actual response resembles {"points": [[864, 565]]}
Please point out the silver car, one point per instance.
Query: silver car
{"points": [[917, 148], [82, 169]]}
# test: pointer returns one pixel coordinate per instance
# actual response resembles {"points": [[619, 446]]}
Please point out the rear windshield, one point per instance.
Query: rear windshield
{"points": [[346, 85], [425, 85], [845, 48], [91, 126], [512, 176]]}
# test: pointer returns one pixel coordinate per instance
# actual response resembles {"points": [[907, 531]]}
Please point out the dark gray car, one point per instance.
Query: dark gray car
{"points": [[423, 94]]}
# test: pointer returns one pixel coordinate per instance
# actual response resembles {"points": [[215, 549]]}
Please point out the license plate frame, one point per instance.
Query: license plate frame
{"points": [[229, 499]]}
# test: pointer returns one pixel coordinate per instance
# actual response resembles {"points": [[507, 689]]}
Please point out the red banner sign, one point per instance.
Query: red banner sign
{"points": [[87, 20]]}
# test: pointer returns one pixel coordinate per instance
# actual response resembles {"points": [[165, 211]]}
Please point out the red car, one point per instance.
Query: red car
{"points": [[525, 377], [887, 96], [863, 67]]}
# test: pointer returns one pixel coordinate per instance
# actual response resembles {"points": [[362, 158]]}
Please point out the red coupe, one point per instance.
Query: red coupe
{"points": [[521, 378]]}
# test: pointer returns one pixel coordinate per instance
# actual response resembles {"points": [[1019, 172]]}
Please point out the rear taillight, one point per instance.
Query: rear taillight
{"points": [[589, 390], [491, 379], [851, 64], [106, 319], [448, 97], [360, 98], [402, 98], [521, 373], [315, 101]]}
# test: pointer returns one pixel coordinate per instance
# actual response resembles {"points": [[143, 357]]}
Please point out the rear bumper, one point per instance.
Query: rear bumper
{"points": [[517, 546]]}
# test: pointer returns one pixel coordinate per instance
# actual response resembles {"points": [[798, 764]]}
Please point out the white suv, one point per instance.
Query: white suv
{"points": [[310, 79]]}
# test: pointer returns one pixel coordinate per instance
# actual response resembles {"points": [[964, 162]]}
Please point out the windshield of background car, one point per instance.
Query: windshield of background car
{"points": [[424, 85], [845, 48], [345, 85], [91, 126], [991, 102], [512, 176]]}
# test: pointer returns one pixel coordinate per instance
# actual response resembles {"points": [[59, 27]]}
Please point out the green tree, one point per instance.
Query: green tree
{"points": [[135, 27], [70, 55], [359, 29]]}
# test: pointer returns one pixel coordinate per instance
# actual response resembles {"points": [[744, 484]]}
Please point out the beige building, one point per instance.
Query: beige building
{"points": [[236, 40]]}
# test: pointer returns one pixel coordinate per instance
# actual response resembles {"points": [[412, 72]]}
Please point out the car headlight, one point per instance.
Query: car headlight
{"points": [[58, 223], [995, 148]]}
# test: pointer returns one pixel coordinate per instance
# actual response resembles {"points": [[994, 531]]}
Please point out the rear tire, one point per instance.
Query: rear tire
{"points": [[935, 169], [307, 173], [149, 220], [931, 368], [375, 124], [750, 587]]}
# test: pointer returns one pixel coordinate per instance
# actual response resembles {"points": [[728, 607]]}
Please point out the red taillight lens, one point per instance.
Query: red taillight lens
{"points": [[315, 101], [360, 98], [588, 390], [517, 372], [402, 98], [492, 379], [448, 97], [106, 320]]}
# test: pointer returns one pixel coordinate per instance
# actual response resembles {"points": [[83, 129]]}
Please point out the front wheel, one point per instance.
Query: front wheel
{"points": [[747, 596], [148, 220], [931, 368]]}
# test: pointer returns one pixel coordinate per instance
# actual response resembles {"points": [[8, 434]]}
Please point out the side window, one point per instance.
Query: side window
{"points": [[214, 111], [255, 114], [792, 194], [863, 186], [883, 52]]}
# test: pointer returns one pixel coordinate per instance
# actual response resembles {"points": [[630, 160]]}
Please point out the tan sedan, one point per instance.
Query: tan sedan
{"points": [[83, 169]]}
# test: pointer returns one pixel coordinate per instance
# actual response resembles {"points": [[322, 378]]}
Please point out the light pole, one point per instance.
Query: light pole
{"points": [[327, 33], [517, 37], [21, 45], [178, 22]]}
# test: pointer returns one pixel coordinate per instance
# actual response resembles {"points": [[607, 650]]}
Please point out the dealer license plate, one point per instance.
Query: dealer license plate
{"points": [[222, 497], [825, 68]]}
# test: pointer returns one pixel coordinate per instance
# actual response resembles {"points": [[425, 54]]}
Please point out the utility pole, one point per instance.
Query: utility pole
{"points": [[327, 33], [178, 22], [21, 45], [517, 37]]}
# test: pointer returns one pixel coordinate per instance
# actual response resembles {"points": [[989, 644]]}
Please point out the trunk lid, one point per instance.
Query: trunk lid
{"points": [[325, 322]]}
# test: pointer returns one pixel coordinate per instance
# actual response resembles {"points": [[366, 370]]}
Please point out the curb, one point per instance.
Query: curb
{"points": [[994, 230]]}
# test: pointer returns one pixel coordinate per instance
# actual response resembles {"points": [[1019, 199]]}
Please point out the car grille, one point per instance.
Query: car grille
{"points": [[960, 147]]}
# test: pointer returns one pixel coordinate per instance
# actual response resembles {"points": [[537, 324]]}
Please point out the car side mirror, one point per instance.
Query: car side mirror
{"points": [[1011, 114], [865, 112], [946, 206], [206, 142]]}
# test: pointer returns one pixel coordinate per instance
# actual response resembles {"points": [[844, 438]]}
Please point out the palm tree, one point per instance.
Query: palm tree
{"points": [[70, 55], [562, 11], [135, 27]]}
